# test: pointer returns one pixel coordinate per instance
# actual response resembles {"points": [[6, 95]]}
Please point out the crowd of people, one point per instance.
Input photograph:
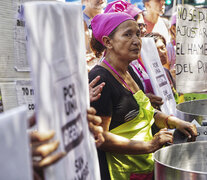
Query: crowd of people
{"points": [[124, 106]]}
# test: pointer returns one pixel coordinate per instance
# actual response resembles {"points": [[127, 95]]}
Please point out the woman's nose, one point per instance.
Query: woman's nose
{"points": [[135, 41]]}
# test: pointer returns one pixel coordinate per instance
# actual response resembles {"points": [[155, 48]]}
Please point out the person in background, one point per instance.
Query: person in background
{"points": [[137, 65], [127, 115], [92, 8], [162, 51], [171, 46], [155, 23], [160, 43]]}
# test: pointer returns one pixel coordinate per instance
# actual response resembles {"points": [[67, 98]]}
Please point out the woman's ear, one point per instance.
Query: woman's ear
{"points": [[107, 42]]}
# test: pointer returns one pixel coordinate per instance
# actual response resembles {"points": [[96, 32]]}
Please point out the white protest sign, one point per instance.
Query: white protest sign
{"points": [[25, 95], [15, 158], [191, 49], [56, 50], [158, 78]]}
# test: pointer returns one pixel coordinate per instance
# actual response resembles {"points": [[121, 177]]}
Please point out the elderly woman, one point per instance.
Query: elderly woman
{"points": [[127, 115], [137, 65]]}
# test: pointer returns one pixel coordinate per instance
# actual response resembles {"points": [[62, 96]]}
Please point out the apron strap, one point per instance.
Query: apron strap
{"points": [[105, 62]]}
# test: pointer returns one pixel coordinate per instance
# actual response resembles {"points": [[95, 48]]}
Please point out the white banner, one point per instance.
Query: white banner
{"points": [[191, 49], [15, 160], [56, 50], [158, 78]]}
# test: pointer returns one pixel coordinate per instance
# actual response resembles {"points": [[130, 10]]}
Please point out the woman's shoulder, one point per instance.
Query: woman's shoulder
{"points": [[99, 71], [136, 78]]}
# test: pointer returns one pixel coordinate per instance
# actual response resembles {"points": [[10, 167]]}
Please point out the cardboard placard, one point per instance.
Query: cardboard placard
{"points": [[191, 49]]}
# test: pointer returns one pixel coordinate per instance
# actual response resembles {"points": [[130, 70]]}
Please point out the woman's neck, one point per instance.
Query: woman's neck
{"points": [[119, 65]]}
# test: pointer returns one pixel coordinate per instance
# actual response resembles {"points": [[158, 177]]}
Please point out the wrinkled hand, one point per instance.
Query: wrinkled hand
{"points": [[188, 129], [95, 92], [156, 101], [161, 138], [94, 126]]}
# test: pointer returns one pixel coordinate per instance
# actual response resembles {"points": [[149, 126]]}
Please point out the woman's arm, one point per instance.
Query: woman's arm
{"points": [[162, 120], [118, 144]]}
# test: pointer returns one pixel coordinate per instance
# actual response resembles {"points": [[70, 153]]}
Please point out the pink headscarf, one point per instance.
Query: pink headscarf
{"points": [[122, 6], [104, 24]]}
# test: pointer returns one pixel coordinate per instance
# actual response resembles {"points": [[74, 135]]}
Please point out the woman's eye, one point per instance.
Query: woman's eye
{"points": [[138, 34], [128, 34]]}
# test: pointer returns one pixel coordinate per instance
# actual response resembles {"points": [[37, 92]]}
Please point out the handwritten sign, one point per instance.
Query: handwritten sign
{"points": [[191, 49], [158, 78], [56, 50]]}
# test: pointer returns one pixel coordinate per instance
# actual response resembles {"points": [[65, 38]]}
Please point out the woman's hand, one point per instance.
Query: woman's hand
{"points": [[156, 101], [95, 92], [187, 128], [160, 139], [94, 126]]}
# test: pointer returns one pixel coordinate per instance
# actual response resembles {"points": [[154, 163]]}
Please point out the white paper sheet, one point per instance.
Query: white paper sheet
{"points": [[158, 78], [56, 50], [15, 160]]}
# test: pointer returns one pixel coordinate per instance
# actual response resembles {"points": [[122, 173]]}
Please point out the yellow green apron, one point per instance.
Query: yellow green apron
{"points": [[120, 165]]}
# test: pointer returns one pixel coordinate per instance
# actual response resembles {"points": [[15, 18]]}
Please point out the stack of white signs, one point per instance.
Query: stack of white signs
{"points": [[56, 51]]}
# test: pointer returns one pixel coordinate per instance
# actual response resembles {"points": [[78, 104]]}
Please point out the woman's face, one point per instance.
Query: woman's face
{"points": [[161, 48], [126, 42]]}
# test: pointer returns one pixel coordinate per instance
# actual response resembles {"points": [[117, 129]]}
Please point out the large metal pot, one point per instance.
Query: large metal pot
{"points": [[191, 110], [187, 161]]}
